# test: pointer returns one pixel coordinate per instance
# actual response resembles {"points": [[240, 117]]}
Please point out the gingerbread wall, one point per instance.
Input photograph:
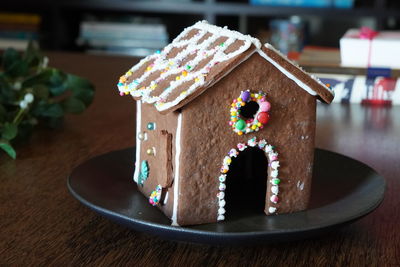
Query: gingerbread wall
{"points": [[157, 160], [207, 138]]}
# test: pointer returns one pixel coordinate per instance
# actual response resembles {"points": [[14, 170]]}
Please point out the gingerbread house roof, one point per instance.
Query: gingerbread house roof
{"points": [[198, 58]]}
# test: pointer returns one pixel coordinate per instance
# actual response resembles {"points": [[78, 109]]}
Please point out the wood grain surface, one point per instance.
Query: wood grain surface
{"points": [[41, 224]]}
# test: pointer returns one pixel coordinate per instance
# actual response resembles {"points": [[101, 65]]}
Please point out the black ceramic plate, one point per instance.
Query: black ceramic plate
{"points": [[343, 191]]}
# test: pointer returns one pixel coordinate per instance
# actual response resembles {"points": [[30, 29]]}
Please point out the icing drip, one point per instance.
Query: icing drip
{"points": [[273, 173]]}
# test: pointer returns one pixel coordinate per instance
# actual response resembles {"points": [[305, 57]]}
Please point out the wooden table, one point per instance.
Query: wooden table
{"points": [[42, 224]]}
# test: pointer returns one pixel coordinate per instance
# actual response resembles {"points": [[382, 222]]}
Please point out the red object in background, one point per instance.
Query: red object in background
{"points": [[381, 92], [367, 33]]}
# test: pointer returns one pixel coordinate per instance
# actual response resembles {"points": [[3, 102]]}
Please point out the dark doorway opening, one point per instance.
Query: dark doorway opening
{"points": [[246, 183], [249, 110]]}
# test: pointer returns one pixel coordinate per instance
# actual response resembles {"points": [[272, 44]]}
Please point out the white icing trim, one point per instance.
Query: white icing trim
{"points": [[138, 141], [273, 166], [176, 173], [269, 46], [286, 73]]}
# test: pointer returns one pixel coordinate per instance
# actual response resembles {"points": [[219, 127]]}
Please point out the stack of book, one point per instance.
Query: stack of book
{"points": [[306, 3], [371, 86], [125, 38], [17, 29]]}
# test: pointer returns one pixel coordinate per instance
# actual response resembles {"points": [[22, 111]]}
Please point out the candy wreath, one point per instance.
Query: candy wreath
{"points": [[242, 125]]}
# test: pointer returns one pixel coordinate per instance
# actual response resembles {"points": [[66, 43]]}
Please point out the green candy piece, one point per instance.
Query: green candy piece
{"points": [[276, 181], [144, 172], [240, 125]]}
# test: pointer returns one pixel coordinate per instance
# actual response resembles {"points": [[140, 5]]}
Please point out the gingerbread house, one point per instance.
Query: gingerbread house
{"points": [[223, 123]]}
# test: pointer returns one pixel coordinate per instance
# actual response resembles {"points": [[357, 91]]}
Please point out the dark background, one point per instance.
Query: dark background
{"points": [[59, 28]]}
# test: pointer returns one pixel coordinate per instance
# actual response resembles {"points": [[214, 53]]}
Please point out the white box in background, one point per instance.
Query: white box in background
{"points": [[384, 50]]}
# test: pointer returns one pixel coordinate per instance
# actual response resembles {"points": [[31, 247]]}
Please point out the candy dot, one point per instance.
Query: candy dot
{"points": [[222, 187], [276, 181], [263, 117], [265, 106], [151, 126], [240, 124], [275, 189], [274, 199], [151, 151], [245, 96]]}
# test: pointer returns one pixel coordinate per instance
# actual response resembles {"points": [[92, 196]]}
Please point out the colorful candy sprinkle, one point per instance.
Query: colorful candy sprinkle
{"points": [[155, 196]]}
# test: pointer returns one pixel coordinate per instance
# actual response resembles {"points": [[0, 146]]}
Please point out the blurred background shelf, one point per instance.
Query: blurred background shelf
{"points": [[61, 20]]}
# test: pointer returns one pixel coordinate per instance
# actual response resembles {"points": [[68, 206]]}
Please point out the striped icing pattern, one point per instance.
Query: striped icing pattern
{"points": [[162, 79]]}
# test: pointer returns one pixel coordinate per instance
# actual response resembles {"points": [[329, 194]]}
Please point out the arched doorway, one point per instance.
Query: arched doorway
{"points": [[246, 173]]}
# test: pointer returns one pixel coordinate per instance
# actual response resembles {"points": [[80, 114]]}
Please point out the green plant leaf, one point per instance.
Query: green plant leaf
{"points": [[78, 82], [7, 94], [32, 55], [9, 131], [86, 96], [40, 91], [52, 110], [6, 146], [44, 109], [57, 82], [13, 64], [81, 88], [73, 105], [41, 78], [10, 56]]}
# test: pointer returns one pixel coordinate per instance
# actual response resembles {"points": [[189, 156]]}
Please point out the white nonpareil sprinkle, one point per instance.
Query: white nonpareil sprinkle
{"points": [[275, 189], [271, 209]]}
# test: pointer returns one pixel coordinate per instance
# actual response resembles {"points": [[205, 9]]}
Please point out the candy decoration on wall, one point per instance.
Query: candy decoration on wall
{"points": [[155, 196], [144, 172], [273, 166], [242, 125], [151, 126]]}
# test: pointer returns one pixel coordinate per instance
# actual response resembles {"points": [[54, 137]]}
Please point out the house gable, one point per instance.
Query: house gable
{"points": [[209, 137]]}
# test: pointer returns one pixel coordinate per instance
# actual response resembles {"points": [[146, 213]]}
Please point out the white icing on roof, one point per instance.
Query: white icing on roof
{"points": [[162, 79], [181, 74]]}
